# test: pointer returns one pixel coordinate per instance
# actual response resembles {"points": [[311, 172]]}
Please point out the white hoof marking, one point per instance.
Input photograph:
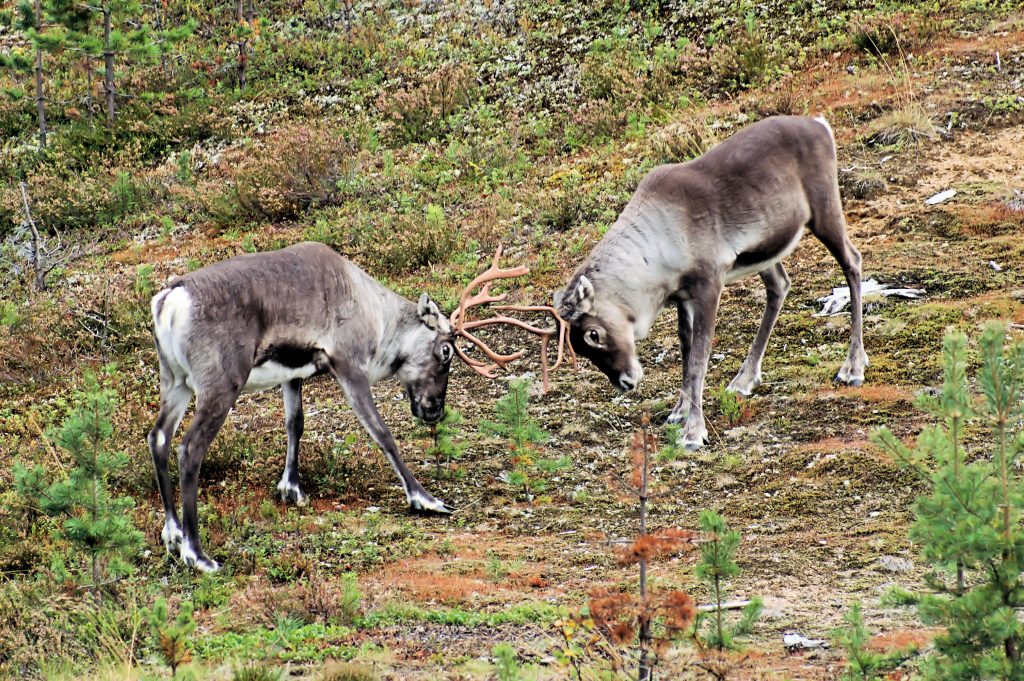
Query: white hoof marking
{"points": [[192, 559], [172, 537], [288, 492]]}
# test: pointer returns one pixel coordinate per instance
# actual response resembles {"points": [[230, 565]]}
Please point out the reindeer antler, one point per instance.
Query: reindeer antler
{"points": [[462, 328]]}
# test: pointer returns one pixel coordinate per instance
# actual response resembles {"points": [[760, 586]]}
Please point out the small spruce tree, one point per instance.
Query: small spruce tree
{"points": [[170, 636], [27, 19], [970, 519], [112, 30], [717, 565], [514, 422], [862, 663], [95, 522], [446, 434]]}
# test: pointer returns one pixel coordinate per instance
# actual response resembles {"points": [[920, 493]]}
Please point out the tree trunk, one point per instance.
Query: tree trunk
{"points": [[108, 67], [644, 673], [88, 90], [40, 103], [243, 49]]}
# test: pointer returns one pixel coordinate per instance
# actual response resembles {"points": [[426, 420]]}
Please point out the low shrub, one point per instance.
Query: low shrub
{"points": [[288, 172]]}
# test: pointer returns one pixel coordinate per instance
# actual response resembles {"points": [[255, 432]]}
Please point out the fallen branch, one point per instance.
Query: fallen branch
{"points": [[728, 605]]}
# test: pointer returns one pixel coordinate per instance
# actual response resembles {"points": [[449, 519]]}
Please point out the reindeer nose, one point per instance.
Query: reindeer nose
{"points": [[627, 382]]}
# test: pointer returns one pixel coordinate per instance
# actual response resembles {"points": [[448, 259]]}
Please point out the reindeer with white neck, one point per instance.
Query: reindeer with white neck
{"points": [[261, 320], [690, 229]]}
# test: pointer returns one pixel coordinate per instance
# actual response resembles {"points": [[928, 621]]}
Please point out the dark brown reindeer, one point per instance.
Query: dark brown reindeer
{"points": [[690, 229], [257, 321]]}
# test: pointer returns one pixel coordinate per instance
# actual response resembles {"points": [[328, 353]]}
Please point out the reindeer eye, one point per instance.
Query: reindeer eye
{"points": [[594, 337], [446, 352]]}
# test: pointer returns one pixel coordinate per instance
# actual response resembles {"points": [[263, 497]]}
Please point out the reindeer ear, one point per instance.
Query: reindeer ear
{"points": [[428, 311], [576, 300]]}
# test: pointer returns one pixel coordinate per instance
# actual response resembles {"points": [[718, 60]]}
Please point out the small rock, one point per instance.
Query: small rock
{"points": [[794, 641], [895, 564], [940, 197]]}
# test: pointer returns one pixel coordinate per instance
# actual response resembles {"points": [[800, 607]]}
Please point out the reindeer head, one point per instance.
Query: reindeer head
{"points": [[601, 330], [425, 361]]}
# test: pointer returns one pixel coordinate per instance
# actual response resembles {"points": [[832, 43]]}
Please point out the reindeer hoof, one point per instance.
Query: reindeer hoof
{"points": [[852, 381], [203, 564], [745, 388], [196, 560], [692, 443], [291, 493], [675, 418], [172, 538], [428, 505]]}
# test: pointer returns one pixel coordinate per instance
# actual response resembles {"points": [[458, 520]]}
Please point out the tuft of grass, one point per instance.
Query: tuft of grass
{"points": [[906, 125], [346, 671]]}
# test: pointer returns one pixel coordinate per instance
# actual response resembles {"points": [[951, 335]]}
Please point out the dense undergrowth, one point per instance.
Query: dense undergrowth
{"points": [[416, 137]]}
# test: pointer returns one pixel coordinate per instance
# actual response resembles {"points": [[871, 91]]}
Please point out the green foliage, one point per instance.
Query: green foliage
{"points": [[506, 662], [523, 433], [144, 287], [862, 663], [446, 435], [9, 314], [411, 240], [734, 408], [716, 566], [257, 672], [95, 522], [124, 194], [350, 604], [970, 518], [513, 419], [170, 636]]}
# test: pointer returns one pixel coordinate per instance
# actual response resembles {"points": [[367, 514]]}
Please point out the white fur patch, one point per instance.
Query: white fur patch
{"points": [[161, 439], [271, 374], [172, 536], [283, 487], [821, 119], [172, 325]]}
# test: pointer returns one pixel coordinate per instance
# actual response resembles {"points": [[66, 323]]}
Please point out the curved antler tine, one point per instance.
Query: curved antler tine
{"points": [[498, 358], [462, 327], [485, 370], [502, 319]]}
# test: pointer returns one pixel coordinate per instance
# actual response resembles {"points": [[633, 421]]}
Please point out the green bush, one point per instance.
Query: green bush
{"points": [[968, 524], [290, 171]]}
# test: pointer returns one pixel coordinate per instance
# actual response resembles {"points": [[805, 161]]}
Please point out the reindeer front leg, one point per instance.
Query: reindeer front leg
{"points": [[289, 489], [357, 390], [685, 326], [703, 308]]}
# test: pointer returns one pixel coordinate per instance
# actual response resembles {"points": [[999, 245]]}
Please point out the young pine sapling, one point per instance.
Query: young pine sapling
{"points": [[513, 422], [170, 636], [95, 523], [446, 435], [970, 519], [717, 564]]}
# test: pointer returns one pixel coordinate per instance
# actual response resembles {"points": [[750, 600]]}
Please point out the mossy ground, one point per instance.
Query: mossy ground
{"points": [[817, 504]]}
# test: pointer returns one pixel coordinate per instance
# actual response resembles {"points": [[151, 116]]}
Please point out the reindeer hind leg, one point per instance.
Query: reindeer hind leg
{"points": [[776, 284], [175, 396], [212, 409], [829, 225]]}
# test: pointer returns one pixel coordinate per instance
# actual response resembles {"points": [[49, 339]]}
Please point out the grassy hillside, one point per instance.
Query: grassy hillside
{"points": [[415, 138]]}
